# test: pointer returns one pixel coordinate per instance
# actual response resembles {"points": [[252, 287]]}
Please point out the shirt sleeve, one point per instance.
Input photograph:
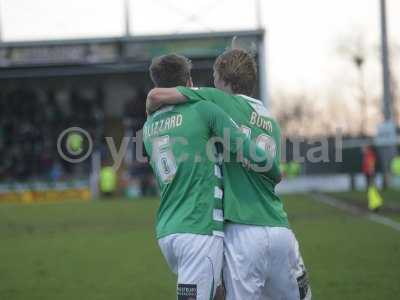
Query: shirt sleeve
{"points": [[196, 94], [236, 142]]}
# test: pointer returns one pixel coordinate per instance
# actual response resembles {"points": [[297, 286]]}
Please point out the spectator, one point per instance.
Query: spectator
{"points": [[369, 165]]}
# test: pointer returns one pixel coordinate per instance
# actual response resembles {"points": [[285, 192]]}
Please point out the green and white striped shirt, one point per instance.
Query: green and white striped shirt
{"points": [[177, 139]]}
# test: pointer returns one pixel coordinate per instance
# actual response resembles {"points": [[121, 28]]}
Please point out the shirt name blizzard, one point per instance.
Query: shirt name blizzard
{"points": [[157, 127]]}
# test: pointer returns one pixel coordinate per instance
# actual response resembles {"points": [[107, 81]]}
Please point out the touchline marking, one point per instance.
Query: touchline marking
{"points": [[373, 217]]}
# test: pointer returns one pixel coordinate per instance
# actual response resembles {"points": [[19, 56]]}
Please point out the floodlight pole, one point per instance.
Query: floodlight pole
{"points": [[262, 56], [127, 14], [387, 97], [1, 27], [263, 70], [387, 130], [258, 14]]}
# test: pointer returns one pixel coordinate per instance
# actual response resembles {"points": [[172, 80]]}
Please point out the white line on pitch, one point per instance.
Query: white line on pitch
{"points": [[354, 210]]}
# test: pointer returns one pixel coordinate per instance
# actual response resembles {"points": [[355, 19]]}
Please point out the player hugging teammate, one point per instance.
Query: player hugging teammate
{"points": [[201, 230]]}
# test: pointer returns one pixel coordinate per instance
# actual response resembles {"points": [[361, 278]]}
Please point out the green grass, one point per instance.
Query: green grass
{"points": [[348, 257], [103, 250], [107, 250], [391, 201], [390, 196]]}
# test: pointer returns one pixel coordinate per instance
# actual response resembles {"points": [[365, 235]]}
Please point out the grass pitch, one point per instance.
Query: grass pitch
{"points": [[107, 250]]}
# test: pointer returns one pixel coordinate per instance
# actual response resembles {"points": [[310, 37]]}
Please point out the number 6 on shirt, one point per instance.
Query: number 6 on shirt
{"points": [[164, 158]]}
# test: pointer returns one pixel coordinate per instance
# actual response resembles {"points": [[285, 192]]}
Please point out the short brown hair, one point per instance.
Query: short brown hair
{"points": [[238, 68], [170, 70]]}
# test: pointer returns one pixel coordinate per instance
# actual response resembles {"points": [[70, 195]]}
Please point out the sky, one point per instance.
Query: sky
{"points": [[303, 37]]}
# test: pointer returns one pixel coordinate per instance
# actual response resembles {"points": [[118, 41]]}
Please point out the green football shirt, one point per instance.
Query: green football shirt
{"points": [[182, 156], [250, 197]]}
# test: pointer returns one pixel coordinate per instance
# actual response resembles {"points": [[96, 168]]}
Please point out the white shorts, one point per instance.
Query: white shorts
{"points": [[263, 263], [197, 260]]}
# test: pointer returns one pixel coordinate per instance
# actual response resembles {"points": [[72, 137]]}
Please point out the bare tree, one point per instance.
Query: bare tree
{"points": [[354, 49], [296, 113]]}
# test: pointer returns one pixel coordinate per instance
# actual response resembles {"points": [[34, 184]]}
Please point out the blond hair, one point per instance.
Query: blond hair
{"points": [[238, 68]]}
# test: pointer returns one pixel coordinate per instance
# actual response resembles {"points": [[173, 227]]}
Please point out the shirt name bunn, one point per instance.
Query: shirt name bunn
{"points": [[158, 127], [260, 122]]}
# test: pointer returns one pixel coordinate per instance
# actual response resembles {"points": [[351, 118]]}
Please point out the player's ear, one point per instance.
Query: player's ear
{"points": [[189, 83]]}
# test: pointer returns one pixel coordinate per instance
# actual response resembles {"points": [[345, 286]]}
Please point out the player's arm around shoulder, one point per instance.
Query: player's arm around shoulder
{"points": [[159, 97], [204, 93]]}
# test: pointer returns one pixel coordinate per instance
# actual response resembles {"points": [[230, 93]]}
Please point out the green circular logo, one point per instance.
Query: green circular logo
{"points": [[75, 143]]}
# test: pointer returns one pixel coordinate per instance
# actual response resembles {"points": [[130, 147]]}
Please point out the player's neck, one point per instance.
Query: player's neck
{"points": [[227, 89]]}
